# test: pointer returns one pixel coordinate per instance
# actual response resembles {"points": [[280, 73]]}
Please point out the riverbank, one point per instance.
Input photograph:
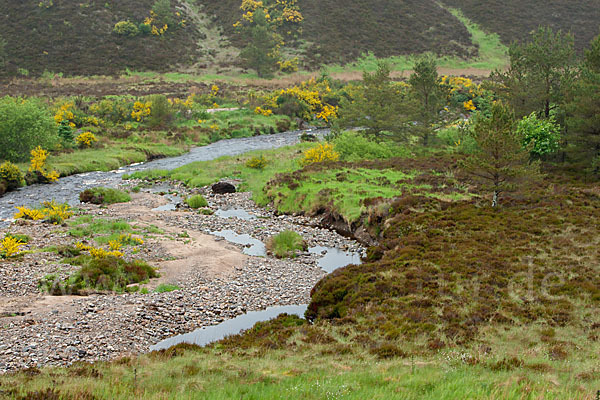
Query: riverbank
{"points": [[216, 281]]}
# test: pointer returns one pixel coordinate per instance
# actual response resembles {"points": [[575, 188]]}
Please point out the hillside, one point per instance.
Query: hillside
{"points": [[75, 37], [334, 34], [515, 19]]}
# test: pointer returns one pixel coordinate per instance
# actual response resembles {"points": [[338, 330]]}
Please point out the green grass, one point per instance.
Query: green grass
{"points": [[340, 187], [165, 287], [196, 201], [86, 227], [109, 158], [286, 244], [311, 371], [203, 173]]}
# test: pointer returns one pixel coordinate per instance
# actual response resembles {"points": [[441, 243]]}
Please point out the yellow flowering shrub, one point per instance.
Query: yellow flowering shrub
{"points": [[38, 164], [115, 245], [469, 106], [266, 112], [308, 99], [328, 113], [86, 139], [98, 252], [10, 247], [129, 239], [56, 213], [214, 90], [257, 162], [288, 66], [51, 211], [66, 114], [284, 16], [27, 213], [320, 153], [186, 104], [141, 110]]}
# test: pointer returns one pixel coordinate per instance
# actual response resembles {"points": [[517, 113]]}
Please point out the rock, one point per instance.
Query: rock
{"points": [[222, 188]]}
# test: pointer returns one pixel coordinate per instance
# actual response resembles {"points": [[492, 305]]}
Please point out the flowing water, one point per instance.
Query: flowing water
{"points": [[67, 189]]}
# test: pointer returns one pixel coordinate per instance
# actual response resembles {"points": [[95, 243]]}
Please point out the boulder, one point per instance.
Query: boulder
{"points": [[223, 187]]}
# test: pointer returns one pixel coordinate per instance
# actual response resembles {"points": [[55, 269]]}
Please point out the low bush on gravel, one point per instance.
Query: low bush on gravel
{"points": [[196, 201], [98, 274], [165, 287], [286, 244], [50, 211], [102, 195]]}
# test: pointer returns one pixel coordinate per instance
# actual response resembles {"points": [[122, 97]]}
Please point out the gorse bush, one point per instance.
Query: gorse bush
{"points": [[196, 201], [86, 139], [286, 244], [321, 153], [10, 175], [51, 212], [24, 124], [38, 171], [257, 162], [10, 247]]}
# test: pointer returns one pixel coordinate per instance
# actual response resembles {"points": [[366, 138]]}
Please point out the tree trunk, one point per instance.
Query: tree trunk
{"points": [[495, 199]]}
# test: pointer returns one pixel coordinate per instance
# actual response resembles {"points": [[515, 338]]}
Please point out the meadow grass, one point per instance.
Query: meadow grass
{"points": [[304, 372]]}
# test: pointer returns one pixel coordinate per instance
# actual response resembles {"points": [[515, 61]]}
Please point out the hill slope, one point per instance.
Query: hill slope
{"points": [[77, 37], [515, 19]]}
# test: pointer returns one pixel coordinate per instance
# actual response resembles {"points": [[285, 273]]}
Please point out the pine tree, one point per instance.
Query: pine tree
{"points": [[379, 106], [501, 162], [584, 122], [429, 96], [539, 72], [262, 51]]}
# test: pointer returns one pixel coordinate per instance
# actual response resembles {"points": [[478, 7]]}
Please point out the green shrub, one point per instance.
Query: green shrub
{"points": [[285, 244], [457, 138], [11, 175], [196, 201], [543, 135], [161, 114], [353, 146], [144, 29], [102, 195], [126, 28], [24, 125], [106, 274], [66, 132]]}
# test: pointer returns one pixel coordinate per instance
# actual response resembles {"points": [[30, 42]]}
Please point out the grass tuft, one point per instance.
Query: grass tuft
{"points": [[285, 244]]}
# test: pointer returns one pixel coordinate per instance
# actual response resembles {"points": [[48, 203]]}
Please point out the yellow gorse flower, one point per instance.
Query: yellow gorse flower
{"points": [[38, 163], [86, 139], [320, 153], [10, 247]]}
